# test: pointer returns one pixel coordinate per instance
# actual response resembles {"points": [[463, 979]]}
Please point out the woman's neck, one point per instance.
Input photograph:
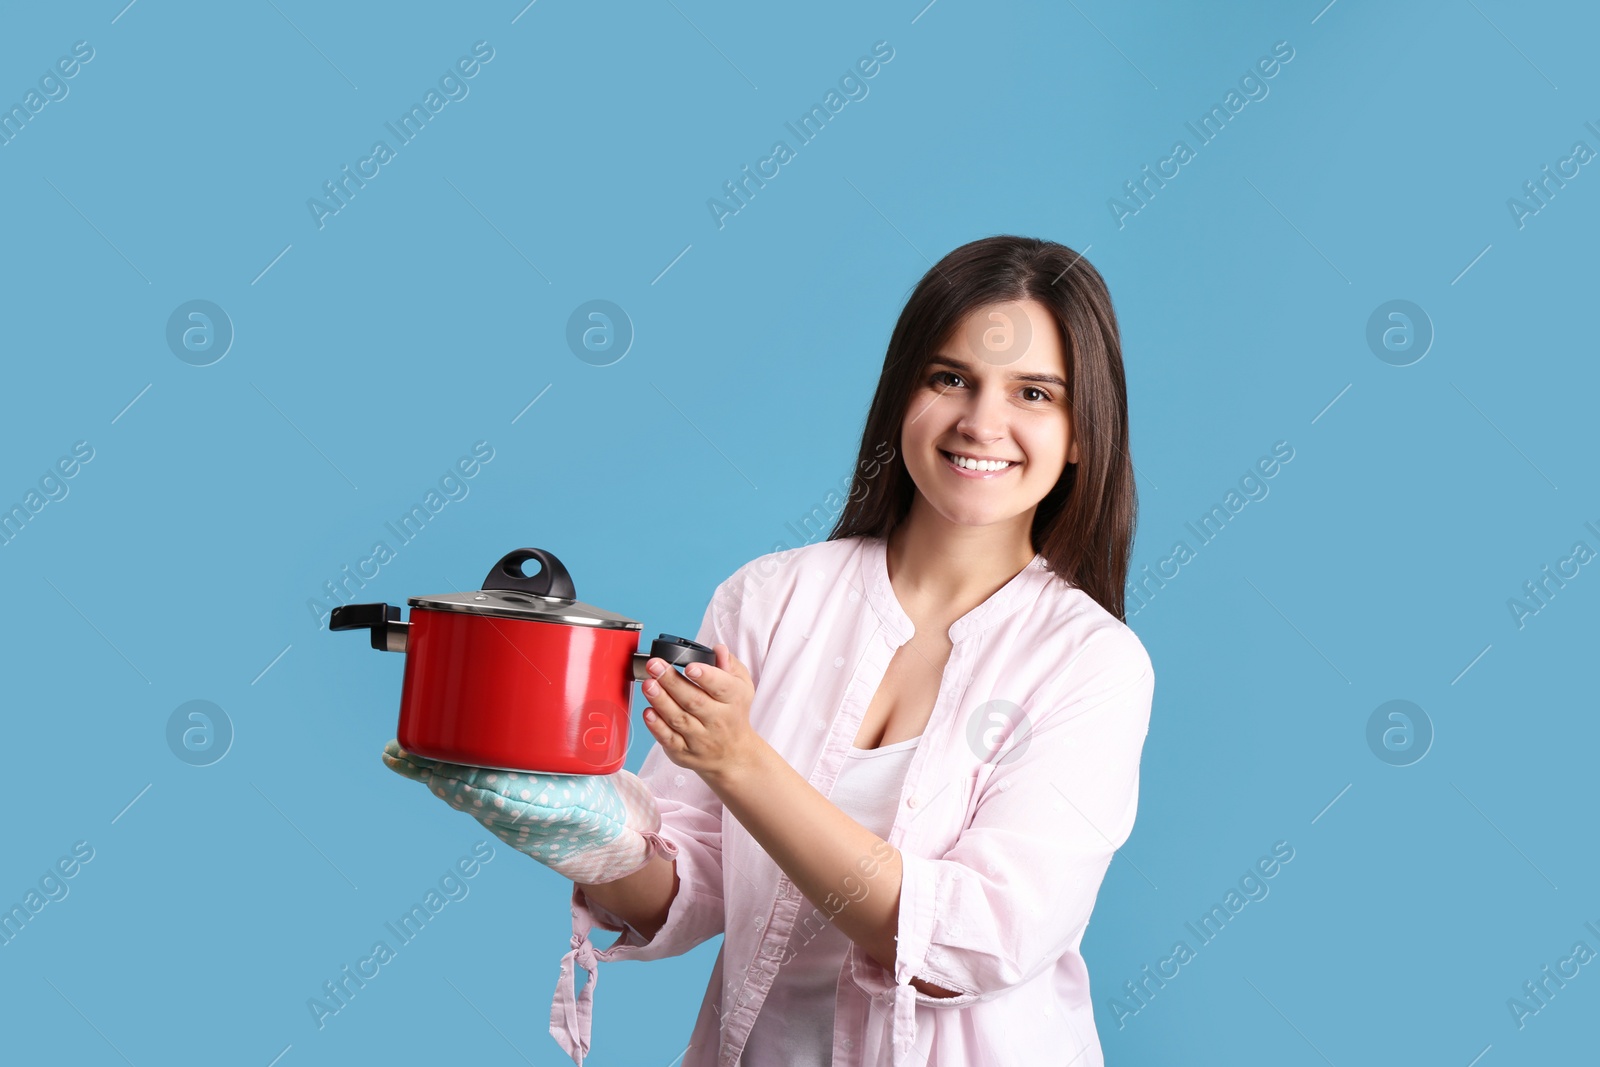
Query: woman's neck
{"points": [[943, 569]]}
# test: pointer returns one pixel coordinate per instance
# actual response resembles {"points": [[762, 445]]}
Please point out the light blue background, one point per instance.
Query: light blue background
{"points": [[430, 311]]}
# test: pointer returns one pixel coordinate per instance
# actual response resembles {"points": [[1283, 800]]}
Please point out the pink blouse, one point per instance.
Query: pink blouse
{"points": [[795, 1024], [1024, 784]]}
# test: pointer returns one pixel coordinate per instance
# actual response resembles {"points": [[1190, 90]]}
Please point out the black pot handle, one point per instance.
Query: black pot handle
{"points": [[388, 632], [677, 651], [551, 581]]}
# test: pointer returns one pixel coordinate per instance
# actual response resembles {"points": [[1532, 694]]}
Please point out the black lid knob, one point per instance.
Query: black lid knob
{"points": [[551, 581]]}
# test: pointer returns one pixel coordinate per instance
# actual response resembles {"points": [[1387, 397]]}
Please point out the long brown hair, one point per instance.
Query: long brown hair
{"points": [[1084, 526]]}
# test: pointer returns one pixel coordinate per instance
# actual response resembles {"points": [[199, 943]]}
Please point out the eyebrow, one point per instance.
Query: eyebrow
{"points": [[1045, 379]]}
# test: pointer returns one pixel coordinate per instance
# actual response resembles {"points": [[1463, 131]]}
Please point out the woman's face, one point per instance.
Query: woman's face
{"points": [[995, 391]]}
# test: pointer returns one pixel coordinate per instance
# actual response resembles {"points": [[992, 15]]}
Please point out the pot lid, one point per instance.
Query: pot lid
{"points": [[545, 597]]}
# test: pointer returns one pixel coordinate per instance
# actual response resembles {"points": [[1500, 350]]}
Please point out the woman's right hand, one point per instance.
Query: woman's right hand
{"points": [[589, 828]]}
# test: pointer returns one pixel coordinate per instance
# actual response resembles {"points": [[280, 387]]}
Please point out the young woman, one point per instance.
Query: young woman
{"points": [[898, 790]]}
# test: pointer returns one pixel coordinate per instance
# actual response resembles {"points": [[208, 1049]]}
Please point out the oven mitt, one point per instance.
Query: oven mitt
{"points": [[589, 828]]}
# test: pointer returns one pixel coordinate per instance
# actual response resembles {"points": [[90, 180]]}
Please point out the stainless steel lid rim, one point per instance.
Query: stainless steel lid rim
{"points": [[564, 611]]}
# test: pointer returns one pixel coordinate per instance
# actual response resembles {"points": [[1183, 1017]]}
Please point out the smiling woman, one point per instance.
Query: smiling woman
{"points": [[1009, 345], [999, 418], [897, 790], [919, 747]]}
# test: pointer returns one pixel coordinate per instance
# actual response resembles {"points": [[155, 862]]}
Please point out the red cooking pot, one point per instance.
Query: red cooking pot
{"points": [[518, 676]]}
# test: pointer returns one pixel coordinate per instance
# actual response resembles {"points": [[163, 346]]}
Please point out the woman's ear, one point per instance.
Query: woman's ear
{"points": [[1072, 448]]}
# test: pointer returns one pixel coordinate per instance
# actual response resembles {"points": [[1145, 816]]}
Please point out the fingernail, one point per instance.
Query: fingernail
{"points": [[693, 670], [655, 667]]}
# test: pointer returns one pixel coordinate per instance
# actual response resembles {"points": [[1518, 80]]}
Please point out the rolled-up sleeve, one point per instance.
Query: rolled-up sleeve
{"points": [[1015, 891], [690, 836]]}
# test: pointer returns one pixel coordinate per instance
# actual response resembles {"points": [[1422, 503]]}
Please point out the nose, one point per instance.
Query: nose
{"points": [[983, 418]]}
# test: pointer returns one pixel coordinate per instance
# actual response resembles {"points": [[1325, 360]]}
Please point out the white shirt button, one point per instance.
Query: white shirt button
{"points": [[849, 1044], [760, 922], [678, 779], [838, 661], [854, 596], [912, 801]]}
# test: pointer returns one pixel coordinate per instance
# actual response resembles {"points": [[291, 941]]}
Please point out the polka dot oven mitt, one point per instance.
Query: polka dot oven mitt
{"points": [[589, 828]]}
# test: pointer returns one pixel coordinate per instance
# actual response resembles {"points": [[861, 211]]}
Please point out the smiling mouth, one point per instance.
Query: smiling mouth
{"points": [[977, 466]]}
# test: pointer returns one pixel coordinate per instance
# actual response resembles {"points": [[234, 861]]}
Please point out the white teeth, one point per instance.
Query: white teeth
{"points": [[979, 464]]}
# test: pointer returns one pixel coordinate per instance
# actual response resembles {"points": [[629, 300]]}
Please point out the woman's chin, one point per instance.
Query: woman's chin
{"points": [[958, 515]]}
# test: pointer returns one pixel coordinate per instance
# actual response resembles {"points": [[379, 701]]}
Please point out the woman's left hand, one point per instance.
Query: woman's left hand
{"points": [[703, 722]]}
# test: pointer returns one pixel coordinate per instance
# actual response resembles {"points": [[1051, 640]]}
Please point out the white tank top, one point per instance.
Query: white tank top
{"points": [[795, 1025]]}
